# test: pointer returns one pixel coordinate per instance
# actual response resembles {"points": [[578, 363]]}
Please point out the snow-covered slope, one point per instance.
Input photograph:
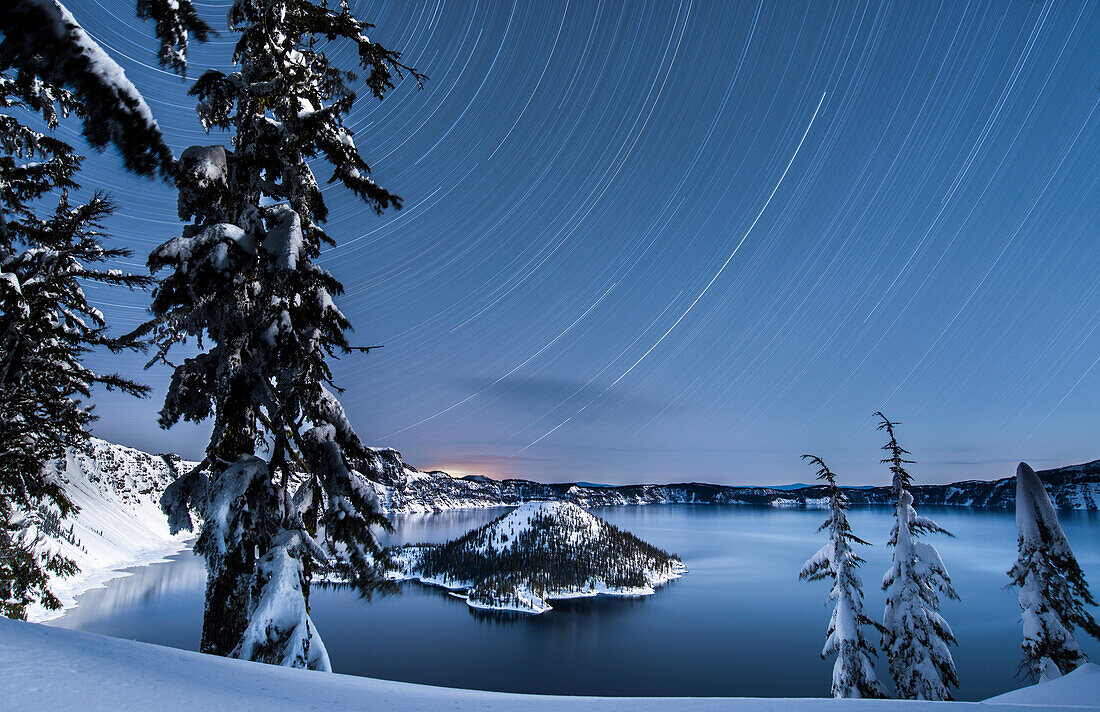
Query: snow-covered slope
{"points": [[119, 524], [45, 668], [538, 552], [1080, 687]]}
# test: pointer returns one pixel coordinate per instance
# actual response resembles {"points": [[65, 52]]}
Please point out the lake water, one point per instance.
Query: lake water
{"points": [[739, 623]]}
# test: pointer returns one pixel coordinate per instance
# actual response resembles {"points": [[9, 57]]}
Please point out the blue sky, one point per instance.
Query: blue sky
{"points": [[673, 241]]}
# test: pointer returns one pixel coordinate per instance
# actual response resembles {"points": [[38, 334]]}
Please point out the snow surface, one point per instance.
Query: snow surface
{"points": [[120, 524], [1080, 687], [46, 668]]}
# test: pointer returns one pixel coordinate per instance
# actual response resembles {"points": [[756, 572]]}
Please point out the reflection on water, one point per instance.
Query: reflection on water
{"points": [[437, 528], [738, 623], [155, 604]]}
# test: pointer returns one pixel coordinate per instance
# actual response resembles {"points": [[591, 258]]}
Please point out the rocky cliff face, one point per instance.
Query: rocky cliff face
{"points": [[119, 523]]}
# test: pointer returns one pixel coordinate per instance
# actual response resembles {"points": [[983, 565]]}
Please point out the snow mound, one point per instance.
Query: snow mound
{"points": [[1080, 687], [47, 668]]}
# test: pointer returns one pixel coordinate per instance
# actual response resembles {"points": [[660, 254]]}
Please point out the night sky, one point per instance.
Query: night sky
{"points": [[676, 241]]}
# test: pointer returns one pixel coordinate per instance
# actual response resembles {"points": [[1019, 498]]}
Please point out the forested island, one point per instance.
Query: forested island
{"points": [[538, 552]]}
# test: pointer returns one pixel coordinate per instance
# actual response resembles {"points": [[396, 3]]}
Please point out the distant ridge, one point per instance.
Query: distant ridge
{"points": [[803, 485], [140, 477], [404, 489]]}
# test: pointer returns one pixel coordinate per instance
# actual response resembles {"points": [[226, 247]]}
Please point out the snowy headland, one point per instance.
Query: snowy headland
{"points": [[46, 668]]}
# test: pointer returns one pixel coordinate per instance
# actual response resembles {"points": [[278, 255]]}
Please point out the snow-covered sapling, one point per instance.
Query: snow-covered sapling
{"points": [[915, 637], [853, 672], [1053, 590]]}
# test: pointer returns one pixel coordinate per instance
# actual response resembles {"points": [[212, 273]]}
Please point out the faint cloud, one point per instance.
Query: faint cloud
{"points": [[495, 466], [543, 393], [974, 462]]}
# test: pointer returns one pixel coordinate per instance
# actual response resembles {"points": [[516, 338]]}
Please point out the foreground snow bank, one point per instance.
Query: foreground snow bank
{"points": [[1080, 687], [46, 668]]}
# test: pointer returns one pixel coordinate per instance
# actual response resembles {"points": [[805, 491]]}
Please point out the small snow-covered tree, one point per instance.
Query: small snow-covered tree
{"points": [[853, 672], [1053, 590], [242, 280], [915, 637]]}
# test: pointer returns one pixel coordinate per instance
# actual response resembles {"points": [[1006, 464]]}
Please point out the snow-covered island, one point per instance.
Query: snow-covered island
{"points": [[538, 552]]}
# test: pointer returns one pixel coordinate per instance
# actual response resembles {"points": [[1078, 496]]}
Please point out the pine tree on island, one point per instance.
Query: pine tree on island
{"points": [[916, 637], [853, 672], [1053, 590], [50, 67], [242, 282]]}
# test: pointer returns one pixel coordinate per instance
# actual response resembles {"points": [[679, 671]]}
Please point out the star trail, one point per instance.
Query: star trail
{"points": [[689, 241]]}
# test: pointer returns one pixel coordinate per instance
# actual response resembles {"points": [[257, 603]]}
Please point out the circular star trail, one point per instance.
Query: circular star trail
{"points": [[672, 241]]}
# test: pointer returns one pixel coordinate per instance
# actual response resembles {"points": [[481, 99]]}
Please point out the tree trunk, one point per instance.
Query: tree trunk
{"points": [[229, 583], [228, 600]]}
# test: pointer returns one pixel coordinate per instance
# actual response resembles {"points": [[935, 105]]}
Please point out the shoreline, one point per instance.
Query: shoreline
{"points": [[457, 589], [68, 590]]}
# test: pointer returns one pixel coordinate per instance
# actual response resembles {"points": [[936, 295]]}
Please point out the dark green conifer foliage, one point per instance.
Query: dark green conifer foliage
{"points": [[51, 67], [46, 327]]}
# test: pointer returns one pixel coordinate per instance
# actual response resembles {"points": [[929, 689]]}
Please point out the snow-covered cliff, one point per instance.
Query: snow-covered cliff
{"points": [[119, 525]]}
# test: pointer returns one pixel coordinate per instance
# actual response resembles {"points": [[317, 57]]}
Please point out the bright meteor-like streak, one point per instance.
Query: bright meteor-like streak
{"points": [[705, 289], [631, 245]]}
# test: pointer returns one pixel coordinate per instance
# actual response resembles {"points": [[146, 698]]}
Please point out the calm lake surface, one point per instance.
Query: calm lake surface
{"points": [[738, 623]]}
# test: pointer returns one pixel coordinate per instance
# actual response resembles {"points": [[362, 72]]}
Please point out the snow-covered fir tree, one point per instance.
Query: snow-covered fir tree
{"points": [[241, 280], [43, 42], [51, 67], [853, 672], [1053, 590], [46, 327], [915, 637]]}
